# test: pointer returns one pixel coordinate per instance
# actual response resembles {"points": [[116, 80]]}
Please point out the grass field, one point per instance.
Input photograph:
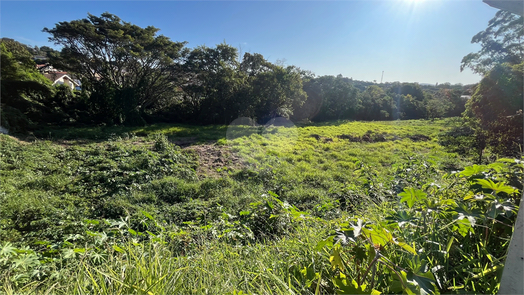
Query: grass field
{"points": [[343, 207]]}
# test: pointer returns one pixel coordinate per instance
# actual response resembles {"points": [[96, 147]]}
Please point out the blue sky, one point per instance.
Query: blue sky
{"points": [[410, 40]]}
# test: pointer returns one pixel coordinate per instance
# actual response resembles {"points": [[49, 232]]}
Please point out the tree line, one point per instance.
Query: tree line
{"points": [[493, 116], [133, 76]]}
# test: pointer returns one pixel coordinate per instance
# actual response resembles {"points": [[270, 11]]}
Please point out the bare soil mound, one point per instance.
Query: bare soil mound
{"points": [[216, 160]]}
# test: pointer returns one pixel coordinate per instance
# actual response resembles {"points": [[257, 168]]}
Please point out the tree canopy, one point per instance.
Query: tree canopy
{"points": [[501, 42], [134, 64], [495, 109], [132, 75]]}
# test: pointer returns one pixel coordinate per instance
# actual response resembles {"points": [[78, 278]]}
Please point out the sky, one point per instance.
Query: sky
{"points": [[409, 40]]}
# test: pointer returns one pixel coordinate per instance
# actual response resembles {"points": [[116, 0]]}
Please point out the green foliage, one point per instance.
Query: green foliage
{"points": [[221, 89], [376, 104], [137, 214], [443, 241], [23, 88], [131, 67], [495, 110], [501, 42], [338, 98], [131, 76], [462, 139]]}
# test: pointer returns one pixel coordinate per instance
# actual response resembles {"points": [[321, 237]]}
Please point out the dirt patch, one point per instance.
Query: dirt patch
{"points": [[419, 137], [321, 138], [370, 136], [184, 141], [216, 160]]}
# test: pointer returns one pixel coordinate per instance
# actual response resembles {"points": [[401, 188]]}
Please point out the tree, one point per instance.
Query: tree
{"points": [[340, 99], [276, 91], [211, 93], [219, 88], [133, 64], [23, 88], [502, 42], [309, 108], [412, 89], [376, 104], [495, 109]]}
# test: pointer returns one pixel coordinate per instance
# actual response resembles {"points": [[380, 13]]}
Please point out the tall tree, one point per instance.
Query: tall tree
{"points": [[376, 104], [23, 88], [501, 42], [495, 109], [276, 91], [211, 91], [134, 64], [340, 99]]}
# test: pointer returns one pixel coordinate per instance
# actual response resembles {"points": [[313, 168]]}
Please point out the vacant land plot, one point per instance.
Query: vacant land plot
{"points": [[342, 207]]}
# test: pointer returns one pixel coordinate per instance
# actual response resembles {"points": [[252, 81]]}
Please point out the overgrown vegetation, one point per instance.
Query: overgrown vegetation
{"points": [[135, 214]]}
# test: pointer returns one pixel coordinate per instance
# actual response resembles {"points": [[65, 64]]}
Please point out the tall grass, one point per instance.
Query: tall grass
{"points": [[124, 210]]}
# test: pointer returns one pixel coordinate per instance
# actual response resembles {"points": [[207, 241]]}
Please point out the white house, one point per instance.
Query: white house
{"points": [[61, 78]]}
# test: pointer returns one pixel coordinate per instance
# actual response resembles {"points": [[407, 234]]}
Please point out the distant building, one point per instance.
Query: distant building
{"points": [[45, 68], [465, 96], [58, 77], [61, 78]]}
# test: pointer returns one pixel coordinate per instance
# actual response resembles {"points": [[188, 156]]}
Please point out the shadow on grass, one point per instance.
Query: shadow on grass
{"points": [[182, 133], [92, 134]]}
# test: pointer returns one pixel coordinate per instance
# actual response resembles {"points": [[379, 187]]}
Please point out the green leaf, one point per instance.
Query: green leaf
{"points": [[412, 196], [401, 218], [498, 187], [325, 243], [7, 249], [425, 281], [117, 248], [336, 259], [422, 277], [91, 221], [79, 250], [345, 286], [407, 247], [463, 226], [448, 247], [473, 170], [378, 235], [359, 252], [400, 284], [148, 215]]}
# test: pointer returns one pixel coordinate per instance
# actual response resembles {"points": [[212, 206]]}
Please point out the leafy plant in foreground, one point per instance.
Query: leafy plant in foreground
{"points": [[437, 239]]}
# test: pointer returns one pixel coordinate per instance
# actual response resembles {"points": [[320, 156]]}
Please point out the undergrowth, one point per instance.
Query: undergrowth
{"points": [[345, 208]]}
